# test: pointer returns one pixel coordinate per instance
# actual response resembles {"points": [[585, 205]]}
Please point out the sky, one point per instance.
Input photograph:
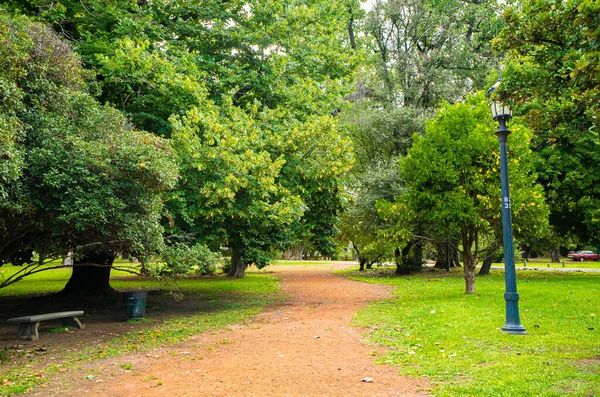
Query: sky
{"points": [[367, 4]]}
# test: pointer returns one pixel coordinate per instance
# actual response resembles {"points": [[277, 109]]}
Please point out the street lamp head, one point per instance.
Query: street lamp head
{"points": [[500, 112]]}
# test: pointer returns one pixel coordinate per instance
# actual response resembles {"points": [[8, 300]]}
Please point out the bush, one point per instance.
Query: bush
{"points": [[180, 260]]}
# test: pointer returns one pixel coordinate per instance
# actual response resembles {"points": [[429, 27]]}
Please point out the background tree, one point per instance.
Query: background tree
{"points": [[552, 74], [453, 183], [429, 51], [418, 53]]}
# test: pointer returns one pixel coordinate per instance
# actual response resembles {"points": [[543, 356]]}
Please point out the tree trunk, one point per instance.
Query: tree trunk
{"points": [[294, 253], [469, 236], [361, 261], [469, 272], [443, 259], [238, 268], [91, 275], [448, 256], [555, 255], [398, 260], [486, 266], [67, 259], [411, 258], [526, 251]]}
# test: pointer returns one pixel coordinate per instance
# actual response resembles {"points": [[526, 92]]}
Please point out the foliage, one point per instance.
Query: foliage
{"points": [[431, 51], [418, 54], [431, 330], [87, 178], [360, 223], [452, 183], [180, 259], [246, 189], [245, 61], [552, 74]]}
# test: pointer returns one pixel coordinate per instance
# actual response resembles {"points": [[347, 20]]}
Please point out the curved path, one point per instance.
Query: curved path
{"points": [[301, 347]]}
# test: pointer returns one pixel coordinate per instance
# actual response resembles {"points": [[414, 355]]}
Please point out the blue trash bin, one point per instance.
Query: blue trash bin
{"points": [[135, 304]]}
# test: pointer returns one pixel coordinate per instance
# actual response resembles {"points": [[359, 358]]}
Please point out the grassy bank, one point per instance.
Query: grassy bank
{"points": [[432, 329]]}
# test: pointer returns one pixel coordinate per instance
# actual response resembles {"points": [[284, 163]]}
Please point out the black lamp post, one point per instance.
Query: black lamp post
{"points": [[503, 114]]}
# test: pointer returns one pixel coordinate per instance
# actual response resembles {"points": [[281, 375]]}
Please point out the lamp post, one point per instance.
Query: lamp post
{"points": [[503, 114]]}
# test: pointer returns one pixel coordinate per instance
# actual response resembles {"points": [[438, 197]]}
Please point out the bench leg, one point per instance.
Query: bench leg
{"points": [[73, 322], [28, 331]]}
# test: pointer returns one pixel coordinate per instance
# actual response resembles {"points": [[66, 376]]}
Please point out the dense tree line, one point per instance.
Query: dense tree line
{"points": [[241, 98], [253, 125]]}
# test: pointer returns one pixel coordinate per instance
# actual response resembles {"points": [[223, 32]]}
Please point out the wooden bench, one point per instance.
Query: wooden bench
{"points": [[28, 325]]}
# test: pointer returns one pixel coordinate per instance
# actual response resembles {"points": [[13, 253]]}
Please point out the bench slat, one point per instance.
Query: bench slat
{"points": [[43, 317]]}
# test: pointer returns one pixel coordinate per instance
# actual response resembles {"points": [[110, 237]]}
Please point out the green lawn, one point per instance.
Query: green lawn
{"points": [[432, 329]]}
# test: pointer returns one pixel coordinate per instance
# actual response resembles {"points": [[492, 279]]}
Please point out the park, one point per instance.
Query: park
{"points": [[297, 198]]}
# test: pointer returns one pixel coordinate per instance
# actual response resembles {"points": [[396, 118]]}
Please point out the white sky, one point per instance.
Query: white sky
{"points": [[367, 4]]}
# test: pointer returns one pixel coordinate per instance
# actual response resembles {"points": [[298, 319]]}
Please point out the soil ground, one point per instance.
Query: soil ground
{"points": [[303, 346]]}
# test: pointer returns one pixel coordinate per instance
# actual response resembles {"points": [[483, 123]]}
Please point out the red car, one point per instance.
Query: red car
{"points": [[583, 255]]}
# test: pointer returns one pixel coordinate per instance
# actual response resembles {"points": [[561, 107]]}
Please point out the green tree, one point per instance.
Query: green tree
{"points": [[552, 74], [290, 60], [418, 53], [89, 182], [431, 51], [453, 183]]}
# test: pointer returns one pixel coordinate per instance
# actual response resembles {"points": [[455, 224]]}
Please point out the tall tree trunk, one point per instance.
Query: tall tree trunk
{"points": [[238, 268], [91, 275], [486, 266], [469, 259], [361, 264], [469, 271], [555, 255]]}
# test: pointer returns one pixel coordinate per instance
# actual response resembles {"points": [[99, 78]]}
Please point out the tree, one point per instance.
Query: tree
{"points": [[453, 183], [380, 134], [244, 188], [290, 60], [430, 51], [419, 53], [552, 52], [88, 181], [361, 224]]}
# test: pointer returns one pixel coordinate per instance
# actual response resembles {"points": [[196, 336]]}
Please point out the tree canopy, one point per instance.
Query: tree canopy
{"points": [[80, 176], [452, 182], [552, 74]]}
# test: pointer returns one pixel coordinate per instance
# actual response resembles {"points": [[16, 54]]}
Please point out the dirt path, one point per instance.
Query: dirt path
{"points": [[302, 347]]}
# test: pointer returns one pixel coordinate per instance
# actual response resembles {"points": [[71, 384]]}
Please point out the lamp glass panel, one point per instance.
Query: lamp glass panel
{"points": [[500, 110]]}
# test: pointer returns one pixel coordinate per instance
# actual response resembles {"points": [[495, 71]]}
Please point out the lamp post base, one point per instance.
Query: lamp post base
{"points": [[515, 329]]}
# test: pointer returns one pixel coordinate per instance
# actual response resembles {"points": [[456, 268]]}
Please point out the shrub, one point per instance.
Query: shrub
{"points": [[180, 260]]}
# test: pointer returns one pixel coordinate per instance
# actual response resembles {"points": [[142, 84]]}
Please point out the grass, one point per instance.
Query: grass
{"points": [[50, 281], [225, 302], [544, 262], [431, 329]]}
